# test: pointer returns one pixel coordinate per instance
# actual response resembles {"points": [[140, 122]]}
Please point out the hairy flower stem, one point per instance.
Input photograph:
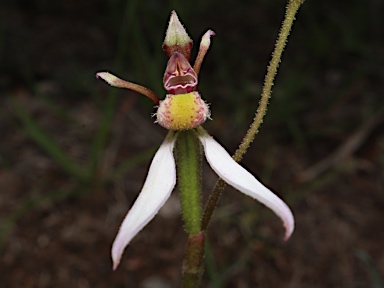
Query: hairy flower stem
{"points": [[188, 155], [291, 10]]}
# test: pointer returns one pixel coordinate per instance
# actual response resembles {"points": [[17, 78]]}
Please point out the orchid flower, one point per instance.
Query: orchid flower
{"points": [[184, 109]]}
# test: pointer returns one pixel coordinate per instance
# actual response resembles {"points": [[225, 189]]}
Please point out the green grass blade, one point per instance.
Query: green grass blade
{"points": [[41, 138], [110, 105]]}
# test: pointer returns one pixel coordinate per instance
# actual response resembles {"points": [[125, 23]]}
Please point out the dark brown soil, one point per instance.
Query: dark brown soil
{"points": [[321, 147]]}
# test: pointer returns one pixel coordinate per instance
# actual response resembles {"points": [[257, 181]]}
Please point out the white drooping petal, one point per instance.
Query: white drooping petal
{"points": [[236, 176], [157, 188]]}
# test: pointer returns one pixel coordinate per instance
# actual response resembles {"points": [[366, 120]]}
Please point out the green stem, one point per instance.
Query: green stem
{"points": [[291, 10], [188, 155], [189, 179]]}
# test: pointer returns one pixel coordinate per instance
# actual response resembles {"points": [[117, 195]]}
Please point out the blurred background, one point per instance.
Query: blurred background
{"points": [[74, 152]]}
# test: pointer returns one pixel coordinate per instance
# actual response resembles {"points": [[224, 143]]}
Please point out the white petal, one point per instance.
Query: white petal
{"points": [[239, 178], [157, 188]]}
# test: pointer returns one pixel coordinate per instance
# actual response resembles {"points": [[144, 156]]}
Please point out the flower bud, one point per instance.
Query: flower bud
{"points": [[176, 38]]}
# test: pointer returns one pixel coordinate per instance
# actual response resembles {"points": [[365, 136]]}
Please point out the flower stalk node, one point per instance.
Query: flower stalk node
{"points": [[192, 265]]}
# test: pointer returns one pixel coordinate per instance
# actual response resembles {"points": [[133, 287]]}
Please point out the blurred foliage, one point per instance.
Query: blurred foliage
{"points": [[332, 51], [330, 78]]}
